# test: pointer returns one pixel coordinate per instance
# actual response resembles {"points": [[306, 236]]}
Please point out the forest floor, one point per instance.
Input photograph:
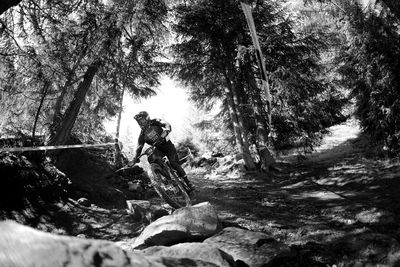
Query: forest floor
{"points": [[320, 204]]}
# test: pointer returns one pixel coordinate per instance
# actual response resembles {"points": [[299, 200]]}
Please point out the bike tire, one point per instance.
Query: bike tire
{"points": [[176, 198]]}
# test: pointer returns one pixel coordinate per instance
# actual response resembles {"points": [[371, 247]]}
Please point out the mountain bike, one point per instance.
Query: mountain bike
{"points": [[165, 181]]}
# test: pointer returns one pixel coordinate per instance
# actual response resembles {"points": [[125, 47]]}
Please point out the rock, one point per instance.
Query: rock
{"points": [[123, 245], [252, 248], [202, 162], [193, 251], [217, 155], [183, 262], [24, 246], [144, 204], [139, 209], [158, 213], [135, 187], [239, 165], [227, 160], [142, 210], [84, 202], [186, 224]]}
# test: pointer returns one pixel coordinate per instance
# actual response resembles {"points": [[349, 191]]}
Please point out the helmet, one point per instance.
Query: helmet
{"points": [[142, 115]]}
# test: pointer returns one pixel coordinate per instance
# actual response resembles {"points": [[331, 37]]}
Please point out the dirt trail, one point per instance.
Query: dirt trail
{"points": [[336, 193], [317, 204]]}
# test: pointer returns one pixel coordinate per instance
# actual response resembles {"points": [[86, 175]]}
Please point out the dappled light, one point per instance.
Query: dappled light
{"points": [[199, 133]]}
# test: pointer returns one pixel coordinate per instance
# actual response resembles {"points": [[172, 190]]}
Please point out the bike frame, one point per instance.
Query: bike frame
{"points": [[159, 163]]}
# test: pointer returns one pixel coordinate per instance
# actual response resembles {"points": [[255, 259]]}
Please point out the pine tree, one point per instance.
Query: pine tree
{"points": [[369, 62], [215, 57], [73, 46], [371, 69]]}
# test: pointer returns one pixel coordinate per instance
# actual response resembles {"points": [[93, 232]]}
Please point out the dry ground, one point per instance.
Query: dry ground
{"points": [[337, 194], [316, 205]]}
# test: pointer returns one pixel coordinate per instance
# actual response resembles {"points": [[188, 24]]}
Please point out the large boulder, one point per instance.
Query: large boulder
{"points": [[194, 251], [183, 225], [22, 246], [252, 248]]}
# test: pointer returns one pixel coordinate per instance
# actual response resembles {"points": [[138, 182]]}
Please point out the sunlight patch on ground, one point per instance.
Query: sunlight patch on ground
{"points": [[338, 180], [340, 134], [333, 144], [318, 195], [296, 185], [349, 169]]}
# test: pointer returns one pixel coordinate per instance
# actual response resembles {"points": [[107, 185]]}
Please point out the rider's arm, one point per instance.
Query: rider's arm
{"points": [[166, 126], [139, 146]]}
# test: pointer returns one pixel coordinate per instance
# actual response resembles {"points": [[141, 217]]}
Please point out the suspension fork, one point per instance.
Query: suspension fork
{"points": [[162, 167]]}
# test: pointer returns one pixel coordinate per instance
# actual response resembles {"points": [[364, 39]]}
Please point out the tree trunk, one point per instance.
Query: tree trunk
{"points": [[246, 145], [57, 107], [241, 140], [236, 127], [266, 158], [44, 93], [262, 124], [117, 155], [64, 128]]}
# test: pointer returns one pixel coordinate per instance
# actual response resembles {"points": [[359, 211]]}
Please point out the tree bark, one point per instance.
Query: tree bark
{"points": [[58, 106], [64, 127], [117, 155], [6, 4], [262, 124], [241, 139], [44, 94], [246, 145], [266, 158]]}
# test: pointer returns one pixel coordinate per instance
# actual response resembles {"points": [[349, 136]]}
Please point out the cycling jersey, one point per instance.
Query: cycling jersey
{"points": [[152, 132]]}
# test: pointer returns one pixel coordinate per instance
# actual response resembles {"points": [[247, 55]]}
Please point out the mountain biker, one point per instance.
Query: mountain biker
{"points": [[155, 132]]}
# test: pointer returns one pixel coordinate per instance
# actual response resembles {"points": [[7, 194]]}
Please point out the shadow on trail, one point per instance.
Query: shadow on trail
{"points": [[326, 197], [338, 204]]}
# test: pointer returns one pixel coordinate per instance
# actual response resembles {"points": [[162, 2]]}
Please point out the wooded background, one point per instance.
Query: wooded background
{"points": [[64, 66]]}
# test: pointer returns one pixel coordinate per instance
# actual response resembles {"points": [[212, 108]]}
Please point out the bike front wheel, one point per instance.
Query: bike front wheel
{"points": [[170, 189]]}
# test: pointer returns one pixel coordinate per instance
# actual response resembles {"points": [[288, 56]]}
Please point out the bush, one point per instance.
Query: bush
{"points": [[183, 146]]}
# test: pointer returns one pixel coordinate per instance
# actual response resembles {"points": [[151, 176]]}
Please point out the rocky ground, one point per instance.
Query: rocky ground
{"points": [[338, 206]]}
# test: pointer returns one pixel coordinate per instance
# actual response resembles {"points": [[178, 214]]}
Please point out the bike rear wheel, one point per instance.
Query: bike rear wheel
{"points": [[170, 190]]}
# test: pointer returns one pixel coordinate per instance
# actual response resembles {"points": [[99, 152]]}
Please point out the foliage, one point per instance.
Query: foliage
{"points": [[56, 41], [216, 134], [183, 146], [310, 97], [370, 67], [304, 103]]}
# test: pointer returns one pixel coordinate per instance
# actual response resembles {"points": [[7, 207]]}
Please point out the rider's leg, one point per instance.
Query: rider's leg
{"points": [[169, 150]]}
